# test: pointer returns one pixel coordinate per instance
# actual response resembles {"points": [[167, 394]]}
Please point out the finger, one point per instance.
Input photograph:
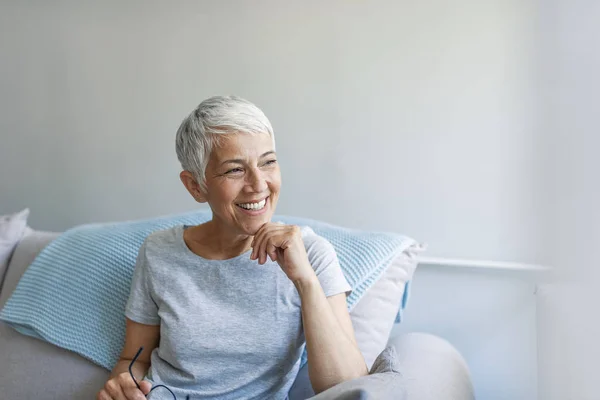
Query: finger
{"points": [[129, 387], [260, 230], [113, 388], [262, 251], [272, 250], [145, 387], [258, 239], [268, 241], [289, 237], [262, 247], [257, 248], [254, 243], [102, 395], [279, 253], [134, 394]]}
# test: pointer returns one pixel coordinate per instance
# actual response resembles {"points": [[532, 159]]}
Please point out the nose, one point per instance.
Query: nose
{"points": [[256, 180]]}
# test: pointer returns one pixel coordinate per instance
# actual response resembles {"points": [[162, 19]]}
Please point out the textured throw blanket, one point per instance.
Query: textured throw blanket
{"points": [[74, 293]]}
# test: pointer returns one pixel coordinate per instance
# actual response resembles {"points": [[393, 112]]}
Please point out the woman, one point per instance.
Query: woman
{"points": [[223, 309]]}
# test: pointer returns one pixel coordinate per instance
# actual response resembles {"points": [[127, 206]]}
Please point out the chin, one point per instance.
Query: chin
{"points": [[252, 227]]}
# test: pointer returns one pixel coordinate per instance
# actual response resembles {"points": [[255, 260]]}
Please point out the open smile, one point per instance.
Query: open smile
{"points": [[254, 208]]}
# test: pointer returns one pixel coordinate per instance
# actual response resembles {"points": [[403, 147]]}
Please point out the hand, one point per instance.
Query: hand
{"points": [[284, 244], [122, 387]]}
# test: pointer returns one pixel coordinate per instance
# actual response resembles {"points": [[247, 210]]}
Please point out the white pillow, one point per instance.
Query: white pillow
{"points": [[374, 315], [12, 229]]}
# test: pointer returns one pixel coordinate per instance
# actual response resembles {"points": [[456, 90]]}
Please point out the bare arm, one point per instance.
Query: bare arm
{"points": [[136, 336], [120, 385], [333, 355]]}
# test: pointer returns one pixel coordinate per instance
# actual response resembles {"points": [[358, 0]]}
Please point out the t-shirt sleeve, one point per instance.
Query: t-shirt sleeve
{"points": [[140, 306], [324, 260]]}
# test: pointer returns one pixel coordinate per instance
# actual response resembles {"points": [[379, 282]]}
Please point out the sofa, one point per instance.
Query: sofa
{"points": [[427, 366]]}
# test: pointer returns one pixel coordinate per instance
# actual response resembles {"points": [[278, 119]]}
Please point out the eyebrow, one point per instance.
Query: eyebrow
{"points": [[240, 161]]}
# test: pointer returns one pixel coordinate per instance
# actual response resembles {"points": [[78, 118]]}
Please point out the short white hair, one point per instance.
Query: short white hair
{"points": [[200, 131]]}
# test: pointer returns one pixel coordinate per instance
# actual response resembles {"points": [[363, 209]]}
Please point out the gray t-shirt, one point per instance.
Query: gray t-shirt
{"points": [[229, 329]]}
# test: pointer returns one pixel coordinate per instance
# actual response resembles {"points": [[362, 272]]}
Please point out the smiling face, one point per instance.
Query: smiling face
{"points": [[242, 182]]}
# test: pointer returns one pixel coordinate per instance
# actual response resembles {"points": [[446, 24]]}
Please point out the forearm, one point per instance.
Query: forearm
{"points": [[333, 356], [139, 369]]}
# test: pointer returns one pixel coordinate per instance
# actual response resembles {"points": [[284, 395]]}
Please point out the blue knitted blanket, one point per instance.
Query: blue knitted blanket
{"points": [[74, 293]]}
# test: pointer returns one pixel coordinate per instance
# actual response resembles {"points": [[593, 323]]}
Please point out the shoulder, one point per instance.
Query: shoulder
{"points": [[161, 241], [324, 260], [315, 244], [164, 235], [309, 236]]}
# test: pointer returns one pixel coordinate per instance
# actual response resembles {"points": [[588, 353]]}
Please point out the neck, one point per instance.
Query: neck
{"points": [[220, 243]]}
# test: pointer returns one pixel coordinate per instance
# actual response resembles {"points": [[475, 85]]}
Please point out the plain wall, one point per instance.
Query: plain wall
{"points": [[388, 115], [414, 117], [490, 317], [569, 86]]}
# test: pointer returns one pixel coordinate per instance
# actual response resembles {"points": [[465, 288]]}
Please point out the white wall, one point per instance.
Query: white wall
{"points": [[490, 317], [417, 117], [568, 319]]}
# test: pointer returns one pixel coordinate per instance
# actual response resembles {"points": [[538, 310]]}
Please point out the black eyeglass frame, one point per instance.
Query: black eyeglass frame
{"points": [[136, 382]]}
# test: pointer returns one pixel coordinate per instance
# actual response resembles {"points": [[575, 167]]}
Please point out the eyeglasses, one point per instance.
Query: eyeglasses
{"points": [[155, 387]]}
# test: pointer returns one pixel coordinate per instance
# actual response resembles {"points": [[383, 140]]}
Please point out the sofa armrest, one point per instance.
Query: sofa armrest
{"points": [[428, 368], [25, 252], [432, 368]]}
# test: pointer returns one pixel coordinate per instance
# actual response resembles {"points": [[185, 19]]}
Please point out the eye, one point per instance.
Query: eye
{"points": [[233, 171], [271, 162]]}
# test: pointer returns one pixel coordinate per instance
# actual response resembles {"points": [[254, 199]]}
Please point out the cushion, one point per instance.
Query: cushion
{"points": [[12, 229], [387, 361], [47, 306], [432, 368], [373, 316]]}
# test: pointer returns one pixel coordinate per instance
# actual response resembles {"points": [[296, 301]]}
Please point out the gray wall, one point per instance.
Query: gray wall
{"points": [[388, 115], [415, 117]]}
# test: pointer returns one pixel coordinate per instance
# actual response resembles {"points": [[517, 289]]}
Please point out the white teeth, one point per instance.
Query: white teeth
{"points": [[254, 206]]}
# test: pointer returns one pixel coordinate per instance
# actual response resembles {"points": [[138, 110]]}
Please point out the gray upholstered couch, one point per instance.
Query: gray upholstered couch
{"points": [[429, 367]]}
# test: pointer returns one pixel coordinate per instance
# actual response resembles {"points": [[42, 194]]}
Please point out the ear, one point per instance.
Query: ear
{"points": [[192, 186]]}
